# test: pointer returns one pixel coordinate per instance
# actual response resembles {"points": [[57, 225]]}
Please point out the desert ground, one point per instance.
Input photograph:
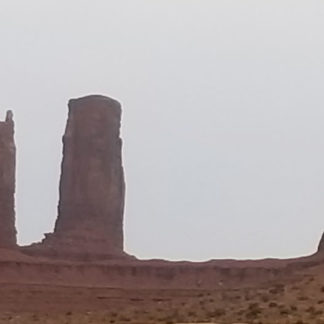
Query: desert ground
{"points": [[299, 301]]}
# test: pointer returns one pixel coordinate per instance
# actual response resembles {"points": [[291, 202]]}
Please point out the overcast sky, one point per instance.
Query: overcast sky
{"points": [[223, 113]]}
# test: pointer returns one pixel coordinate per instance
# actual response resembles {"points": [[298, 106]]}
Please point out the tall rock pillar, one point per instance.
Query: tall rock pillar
{"points": [[7, 183], [92, 188]]}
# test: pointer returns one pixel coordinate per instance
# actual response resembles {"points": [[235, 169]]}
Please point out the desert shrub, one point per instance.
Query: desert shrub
{"points": [[273, 305], [293, 308], [254, 310], [284, 311], [302, 298], [202, 302], [218, 312], [312, 310], [35, 317], [265, 298]]}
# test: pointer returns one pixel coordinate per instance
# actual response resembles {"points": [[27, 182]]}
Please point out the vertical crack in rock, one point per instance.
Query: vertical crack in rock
{"points": [[7, 183], [92, 184]]}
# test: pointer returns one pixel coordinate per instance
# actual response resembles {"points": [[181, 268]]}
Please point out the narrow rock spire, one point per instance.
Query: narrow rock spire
{"points": [[7, 183]]}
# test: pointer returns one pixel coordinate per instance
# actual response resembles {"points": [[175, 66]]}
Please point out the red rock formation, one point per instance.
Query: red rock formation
{"points": [[92, 181], [320, 248], [92, 188], [7, 183]]}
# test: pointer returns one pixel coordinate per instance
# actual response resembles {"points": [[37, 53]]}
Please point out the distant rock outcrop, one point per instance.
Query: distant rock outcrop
{"points": [[320, 248], [7, 183], [92, 188]]}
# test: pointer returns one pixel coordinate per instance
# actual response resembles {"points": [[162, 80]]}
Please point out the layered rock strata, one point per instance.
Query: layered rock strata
{"points": [[7, 183]]}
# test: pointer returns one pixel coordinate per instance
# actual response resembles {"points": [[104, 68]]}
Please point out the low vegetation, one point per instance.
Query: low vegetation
{"points": [[299, 302]]}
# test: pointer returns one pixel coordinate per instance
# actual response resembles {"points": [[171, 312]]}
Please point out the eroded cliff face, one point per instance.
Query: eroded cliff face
{"points": [[92, 181], [7, 183], [92, 187]]}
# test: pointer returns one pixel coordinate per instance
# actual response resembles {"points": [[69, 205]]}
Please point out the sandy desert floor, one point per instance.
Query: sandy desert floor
{"points": [[296, 302]]}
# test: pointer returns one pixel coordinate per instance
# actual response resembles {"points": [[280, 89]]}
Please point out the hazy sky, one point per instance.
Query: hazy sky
{"points": [[223, 113]]}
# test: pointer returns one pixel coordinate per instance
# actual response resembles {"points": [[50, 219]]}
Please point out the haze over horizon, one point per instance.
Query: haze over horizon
{"points": [[222, 117]]}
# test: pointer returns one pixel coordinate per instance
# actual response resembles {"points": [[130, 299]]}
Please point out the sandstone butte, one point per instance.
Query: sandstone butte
{"points": [[87, 244], [92, 187]]}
